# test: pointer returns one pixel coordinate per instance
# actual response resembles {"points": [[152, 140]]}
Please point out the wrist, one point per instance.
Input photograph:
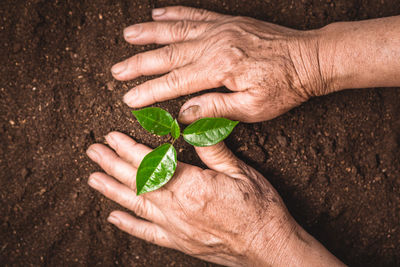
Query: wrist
{"points": [[305, 250], [360, 54], [330, 53], [312, 70], [269, 244], [290, 245]]}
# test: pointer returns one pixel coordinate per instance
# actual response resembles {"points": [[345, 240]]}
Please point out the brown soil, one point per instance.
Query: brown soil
{"points": [[335, 160]]}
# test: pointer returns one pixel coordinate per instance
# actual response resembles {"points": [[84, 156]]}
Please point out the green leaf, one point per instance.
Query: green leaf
{"points": [[154, 120], [175, 130], [156, 169], [208, 131]]}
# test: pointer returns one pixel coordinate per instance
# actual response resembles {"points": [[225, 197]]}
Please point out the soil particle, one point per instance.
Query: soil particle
{"points": [[24, 173], [282, 140]]}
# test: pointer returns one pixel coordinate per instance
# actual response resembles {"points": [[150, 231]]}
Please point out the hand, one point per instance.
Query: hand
{"points": [[228, 214], [269, 68]]}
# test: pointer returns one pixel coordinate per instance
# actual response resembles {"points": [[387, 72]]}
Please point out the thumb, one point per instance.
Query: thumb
{"points": [[227, 105], [219, 158]]}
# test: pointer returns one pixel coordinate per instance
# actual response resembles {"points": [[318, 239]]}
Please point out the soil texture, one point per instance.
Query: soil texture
{"points": [[335, 160]]}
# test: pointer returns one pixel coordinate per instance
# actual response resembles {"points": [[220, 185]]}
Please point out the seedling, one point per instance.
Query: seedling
{"points": [[158, 167]]}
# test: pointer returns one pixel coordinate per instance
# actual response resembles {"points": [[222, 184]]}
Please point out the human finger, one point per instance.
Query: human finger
{"points": [[113, 165], [156, 61], [127, 148], [179, 82], [227, 105], [185, 13], [164, 32], [140, 228], [219, 158], [134, 153], [123, 195]]}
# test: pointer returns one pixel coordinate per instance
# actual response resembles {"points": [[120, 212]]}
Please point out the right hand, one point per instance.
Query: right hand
{"points": [[269, 68], [228, 214]]}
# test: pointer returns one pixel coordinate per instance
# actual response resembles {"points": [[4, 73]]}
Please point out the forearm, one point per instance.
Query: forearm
{"points": [[361, 54], [307, 251], [293, 246]]}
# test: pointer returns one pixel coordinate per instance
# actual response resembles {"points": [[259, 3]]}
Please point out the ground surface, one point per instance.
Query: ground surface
{"points": [[335, 160]]}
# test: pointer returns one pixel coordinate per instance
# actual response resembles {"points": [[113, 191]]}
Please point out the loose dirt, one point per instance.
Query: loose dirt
{"points": [[335, 160]]}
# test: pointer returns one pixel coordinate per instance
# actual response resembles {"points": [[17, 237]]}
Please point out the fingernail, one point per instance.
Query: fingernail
{"points": [[130, 97], [119, 67], [190, 111], [132, 31], [158, 12], [96, 184], [93, 154], [114, 220], [110, 140]]}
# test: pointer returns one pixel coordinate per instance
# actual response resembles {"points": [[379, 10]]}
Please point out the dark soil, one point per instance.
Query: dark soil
{"points": [[335, 160]]}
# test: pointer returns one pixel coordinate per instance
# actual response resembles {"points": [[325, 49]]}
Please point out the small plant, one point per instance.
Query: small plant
{"points": [[158, 167]]}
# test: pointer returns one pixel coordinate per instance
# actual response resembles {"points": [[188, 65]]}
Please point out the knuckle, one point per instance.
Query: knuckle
{"points": [[223, 36], [197, 193], [238, 52], [200, 14], [230, 60], [137, 63], [192, 13], [255, 105], [168, 55], [150, 235], [109, 163], [155, 96], [225, 63], [219, 106], [241, 171], [181, 9], [214, 107], [132, 182], [230, 52], [137, 205], [143, 232], [180, 30], [222, 75], [230, 34], [194, 251], [240, 19], [199, 243], [173, 80], [237, 22], [253, 111]]}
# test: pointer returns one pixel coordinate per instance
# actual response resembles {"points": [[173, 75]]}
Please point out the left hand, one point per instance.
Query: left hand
{"points": [[269, 68], [228, 214]]}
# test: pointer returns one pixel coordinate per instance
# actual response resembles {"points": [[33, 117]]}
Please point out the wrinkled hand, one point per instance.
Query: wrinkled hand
{"points": [[228, 214], [269, 68]]}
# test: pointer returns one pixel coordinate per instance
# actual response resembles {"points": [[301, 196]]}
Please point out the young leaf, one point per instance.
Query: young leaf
{"points": [[154, 120], [175, 130], [156, 169], [208, 131]]}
